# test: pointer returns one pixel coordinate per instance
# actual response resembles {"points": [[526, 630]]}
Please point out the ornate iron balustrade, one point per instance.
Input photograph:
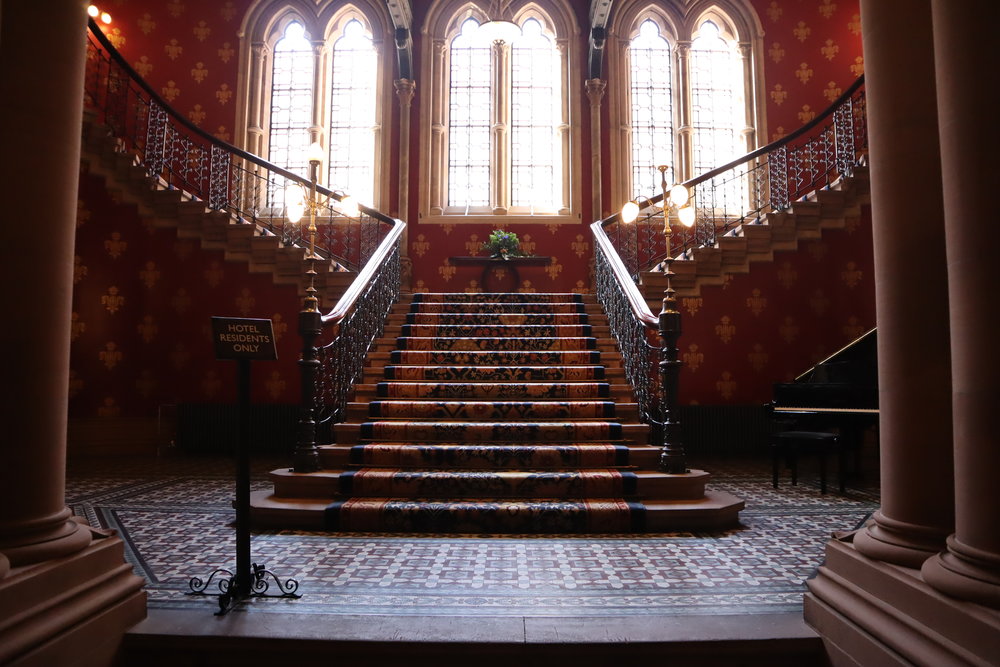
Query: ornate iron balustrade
{"points": [[634, 332], [743, 191], [330, 371], [181, 156]]}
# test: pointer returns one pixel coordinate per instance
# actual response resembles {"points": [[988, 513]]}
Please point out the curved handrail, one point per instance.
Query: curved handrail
{"points": [[636, 302], [215, 141], [745, 190], [759, 152], [350, 298], [179, 155]]}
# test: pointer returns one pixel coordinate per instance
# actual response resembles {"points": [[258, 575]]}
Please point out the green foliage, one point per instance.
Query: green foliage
{"points": [[503, 244]]}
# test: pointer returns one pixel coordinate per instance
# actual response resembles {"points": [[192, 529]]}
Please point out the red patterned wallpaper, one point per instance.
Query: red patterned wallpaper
{"points": [[141, 323], [189, 53], [775, 322]]}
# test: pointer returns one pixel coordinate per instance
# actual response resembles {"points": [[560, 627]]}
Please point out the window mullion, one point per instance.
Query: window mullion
{"points": [[500, 163], [320, 65], [685, 145]]}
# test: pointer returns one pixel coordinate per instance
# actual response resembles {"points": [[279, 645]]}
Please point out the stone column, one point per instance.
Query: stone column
{"points": [[911, 287], [595, 93], [970, 568], [405, 88], [40, 171]]}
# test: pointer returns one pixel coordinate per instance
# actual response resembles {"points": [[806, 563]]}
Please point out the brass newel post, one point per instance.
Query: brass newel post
{"points": [[306, 457]]}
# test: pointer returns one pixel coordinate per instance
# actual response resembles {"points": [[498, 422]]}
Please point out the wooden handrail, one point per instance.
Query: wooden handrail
{"points": [[763, 150], [215, 141], [350, 297], [636, 301]]}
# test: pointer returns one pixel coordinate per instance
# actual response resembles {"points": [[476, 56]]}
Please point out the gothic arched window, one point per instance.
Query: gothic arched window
{"points": [[319, 77], [498, 113], [682, 88]]}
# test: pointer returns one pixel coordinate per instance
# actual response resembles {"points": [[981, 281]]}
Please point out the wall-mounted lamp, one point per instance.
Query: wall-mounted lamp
{"points": [[94, 12]]}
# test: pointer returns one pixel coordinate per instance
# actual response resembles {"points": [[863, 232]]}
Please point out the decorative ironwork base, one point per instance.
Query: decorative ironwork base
{"points": [[232, 591]]}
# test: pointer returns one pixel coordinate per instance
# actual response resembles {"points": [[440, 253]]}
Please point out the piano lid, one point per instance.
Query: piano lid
{"points": [[861, 350], [848, 378]]}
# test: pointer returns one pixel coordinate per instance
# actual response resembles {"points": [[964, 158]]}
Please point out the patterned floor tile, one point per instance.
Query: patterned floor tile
{"points": [[176, 517]]}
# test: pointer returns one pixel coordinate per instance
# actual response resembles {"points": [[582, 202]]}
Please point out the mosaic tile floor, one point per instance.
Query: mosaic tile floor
{"points": [[176, 517]]}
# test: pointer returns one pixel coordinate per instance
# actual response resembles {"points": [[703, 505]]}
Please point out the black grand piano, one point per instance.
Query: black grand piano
{"points": [[839, 393]]}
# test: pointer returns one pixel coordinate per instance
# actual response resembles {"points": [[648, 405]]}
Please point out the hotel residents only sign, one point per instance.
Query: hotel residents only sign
{"points": [[243, 338]]}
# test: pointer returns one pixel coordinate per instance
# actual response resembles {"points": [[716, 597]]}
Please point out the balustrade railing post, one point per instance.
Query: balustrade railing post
{"points": [[672, 457], [306, 457]]}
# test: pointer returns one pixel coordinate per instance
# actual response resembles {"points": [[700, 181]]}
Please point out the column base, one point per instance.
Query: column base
{"points": [[875, 613], [44, 539], [898, 542], [965, 573], [70, 610]]}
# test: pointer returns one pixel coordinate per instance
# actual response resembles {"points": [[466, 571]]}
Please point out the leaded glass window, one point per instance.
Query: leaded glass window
{"points": [[651, 97], [536, 100], [291, 103], [716, 99], [352, 113], [469, 114]]}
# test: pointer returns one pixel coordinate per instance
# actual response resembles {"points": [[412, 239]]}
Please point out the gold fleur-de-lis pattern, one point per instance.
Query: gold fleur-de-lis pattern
{"points": [[141, 305]]}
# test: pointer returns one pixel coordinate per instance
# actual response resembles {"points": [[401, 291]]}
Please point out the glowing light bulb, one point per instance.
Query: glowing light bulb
{"points": [[630, 211], [105, 17], [93, 11], [686, 215]]}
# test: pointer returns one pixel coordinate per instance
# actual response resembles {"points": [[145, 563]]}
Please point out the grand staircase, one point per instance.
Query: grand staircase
{"points": [[259, 249], [493, 413], [829, 207]]}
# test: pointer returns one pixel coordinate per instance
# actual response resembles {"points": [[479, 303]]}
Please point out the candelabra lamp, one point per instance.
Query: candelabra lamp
{"points": [[297, 204], [677, 198]]}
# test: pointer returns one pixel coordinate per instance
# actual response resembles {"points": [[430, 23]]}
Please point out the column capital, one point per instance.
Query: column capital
{"points": [[595, 90], [405, 89]]}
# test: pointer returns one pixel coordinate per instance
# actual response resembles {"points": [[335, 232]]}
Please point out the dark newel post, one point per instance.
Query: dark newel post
{"points": [[672, 456], [242, 583], [306, 457], [672, 459]]}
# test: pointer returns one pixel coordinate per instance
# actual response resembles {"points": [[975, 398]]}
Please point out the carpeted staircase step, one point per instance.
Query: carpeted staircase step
{"points": [[488, 455], [495, 410], [478, 432], [460, 455], [485, 516], [524, 344], [496, 330], [551, 373], [501, 307], [712, 510], [447, 484], [440, 483], [514, 431], [497, 297], [495, 390], [494, 357], [491, 319]]}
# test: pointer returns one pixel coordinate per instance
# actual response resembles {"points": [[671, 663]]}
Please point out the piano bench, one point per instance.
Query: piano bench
{"points": [[789, 444]]}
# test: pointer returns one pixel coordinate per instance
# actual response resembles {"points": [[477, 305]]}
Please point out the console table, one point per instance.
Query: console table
{"points": [[493, 264]]}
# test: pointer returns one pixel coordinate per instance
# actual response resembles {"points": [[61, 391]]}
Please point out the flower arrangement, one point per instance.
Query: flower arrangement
{"points": [[503, 244]]}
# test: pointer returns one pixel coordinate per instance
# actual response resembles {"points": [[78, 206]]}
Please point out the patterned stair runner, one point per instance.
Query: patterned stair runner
{"points": [[491, 413], [506, 429]]}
